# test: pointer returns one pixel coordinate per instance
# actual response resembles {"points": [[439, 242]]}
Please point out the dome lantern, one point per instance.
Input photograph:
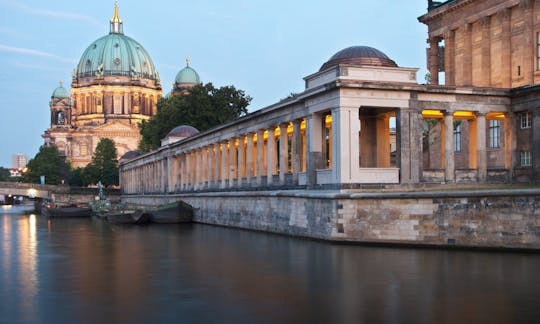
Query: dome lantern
{"points": [[116, 22]]}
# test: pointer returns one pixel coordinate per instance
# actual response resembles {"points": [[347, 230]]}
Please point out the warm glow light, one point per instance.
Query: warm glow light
{"points": [[464, 114], [495, 115], [303, 124], [254, 138], [265, 134], [277, 132], [290, 129], [328, 120], [432, 113], [31, 193]]}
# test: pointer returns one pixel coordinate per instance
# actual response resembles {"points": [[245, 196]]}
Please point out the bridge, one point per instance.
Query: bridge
{"points": [[31, 190]]}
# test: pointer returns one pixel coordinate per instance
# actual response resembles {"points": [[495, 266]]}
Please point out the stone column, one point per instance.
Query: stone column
{"points": [[527, 70], [506, 38], [188, 171], [249, 158], [510, 144], [218, 167], [241, 160], [434, 60], [224, 164], [233, 162], [270, 155], [450, 57], [314, 144], [481, 146], [296, 150], [473, 144], [283, 152], [485, 75], [346, 145], [449, 146], [468, 55], [204, 166], [409, 143], [260, 144]]}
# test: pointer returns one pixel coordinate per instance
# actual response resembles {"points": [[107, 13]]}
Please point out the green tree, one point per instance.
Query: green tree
{"points": [[203, 107], [104, 165], [4, 174], [48, 163]]}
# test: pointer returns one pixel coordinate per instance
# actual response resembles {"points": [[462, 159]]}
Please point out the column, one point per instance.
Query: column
{"points": [[481, 146], [233, 162], [260, 144], [249, 158], [296, 150], [506, 38], [450, 57], [510, 143], [314, 144], [210, 166], [217, 169], [383, 141], [409, 143], [224, 165], [163, 175], [449, 146], [346, 145], [527, 70], [283, 152], [241, 160], [188, 171], [467, 56], [485, 58], [204, 166], [434, 60], [270, 155]]}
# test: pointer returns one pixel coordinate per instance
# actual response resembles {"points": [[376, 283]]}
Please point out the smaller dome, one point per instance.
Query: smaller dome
{"points": [[183, 131], [359, 55], [60, 92], [130, 155], [187, 75]]}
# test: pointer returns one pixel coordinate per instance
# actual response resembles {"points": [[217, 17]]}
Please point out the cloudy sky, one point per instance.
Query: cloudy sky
{"points": [[263, 47]]}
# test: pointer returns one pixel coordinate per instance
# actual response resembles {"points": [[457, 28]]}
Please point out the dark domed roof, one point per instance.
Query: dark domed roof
{"points": [[183, 131], [130, 155], [359, 55]]}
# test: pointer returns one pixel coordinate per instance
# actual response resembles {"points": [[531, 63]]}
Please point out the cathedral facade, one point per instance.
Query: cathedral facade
{"points": [[114, 87]]}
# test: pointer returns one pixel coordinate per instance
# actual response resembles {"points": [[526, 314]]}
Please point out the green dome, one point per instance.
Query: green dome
{"points": [[187, 75], [60, 92]]}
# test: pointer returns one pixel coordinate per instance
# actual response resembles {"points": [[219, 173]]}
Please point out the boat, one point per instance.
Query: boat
{"points": [[178, 212], [65, 212], [138, 216], [16, 209]]}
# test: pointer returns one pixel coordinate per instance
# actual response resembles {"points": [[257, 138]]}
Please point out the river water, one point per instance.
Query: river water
{"points": [[87, 271]]}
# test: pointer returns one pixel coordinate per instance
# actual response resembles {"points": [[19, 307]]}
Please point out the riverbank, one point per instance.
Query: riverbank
{"points": [[506, 218]]}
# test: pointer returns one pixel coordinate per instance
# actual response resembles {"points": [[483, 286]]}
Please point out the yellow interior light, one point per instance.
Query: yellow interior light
{"points": [[255, 138], [277, 132], [265, 135], [464, 114], [432, 113], [328, 120], [495, 115], [290, 129]]}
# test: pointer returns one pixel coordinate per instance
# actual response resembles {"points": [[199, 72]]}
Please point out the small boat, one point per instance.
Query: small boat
{"points": [[178, 212], [65, 212], [127, 217]]}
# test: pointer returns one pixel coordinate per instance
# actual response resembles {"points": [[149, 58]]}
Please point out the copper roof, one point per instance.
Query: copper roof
{"points": [[359, 55]]}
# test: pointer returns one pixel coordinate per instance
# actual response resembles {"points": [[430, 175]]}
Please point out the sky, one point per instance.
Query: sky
{"points": [[263, 47]]}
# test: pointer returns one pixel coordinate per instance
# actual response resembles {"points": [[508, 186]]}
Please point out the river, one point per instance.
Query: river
{"points": [[87, 271]]}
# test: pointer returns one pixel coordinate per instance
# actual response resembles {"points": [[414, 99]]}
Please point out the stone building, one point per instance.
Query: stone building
{"points": [[114, 87]]}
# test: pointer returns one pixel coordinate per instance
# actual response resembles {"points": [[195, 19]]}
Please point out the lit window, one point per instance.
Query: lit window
{"points": [[525, 120], [457, 137], [525, 158], [494, 133], [84, 150]]}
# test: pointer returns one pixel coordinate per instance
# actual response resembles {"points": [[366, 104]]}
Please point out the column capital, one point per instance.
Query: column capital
{"points": [[449, 34], [506, 13], [525, 4], [485, 22], [480, 114], [447, 113]]}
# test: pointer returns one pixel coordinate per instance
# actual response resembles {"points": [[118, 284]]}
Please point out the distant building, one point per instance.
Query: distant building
{"points": [[19, 161]]}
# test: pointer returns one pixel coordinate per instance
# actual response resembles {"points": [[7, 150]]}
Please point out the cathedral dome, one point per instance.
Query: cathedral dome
{"points": [[60, 92], [187, 75], [130, 155], [359, 55], [116, 55]]}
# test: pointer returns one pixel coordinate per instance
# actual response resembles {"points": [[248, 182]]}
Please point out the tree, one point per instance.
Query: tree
{"points": [[203, 107], [48, 163], [104, 165], [4, 174]]}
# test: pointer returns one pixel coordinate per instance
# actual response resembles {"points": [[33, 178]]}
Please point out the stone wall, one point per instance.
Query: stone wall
{"points": [[487, 219]]}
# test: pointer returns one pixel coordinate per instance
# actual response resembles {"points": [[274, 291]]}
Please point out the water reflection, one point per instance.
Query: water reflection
{"points": [[89, 271]]}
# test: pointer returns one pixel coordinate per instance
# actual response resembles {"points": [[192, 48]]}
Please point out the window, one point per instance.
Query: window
{"points": [[525, 158], [525, 119], [538, 51], [494, 133], [457, 137]]}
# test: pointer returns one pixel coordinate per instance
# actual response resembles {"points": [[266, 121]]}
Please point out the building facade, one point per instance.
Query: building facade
{"points": [[114, 87]]}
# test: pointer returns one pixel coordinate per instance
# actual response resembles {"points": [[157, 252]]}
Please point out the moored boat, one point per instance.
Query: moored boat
{"points": [[178, 212], [65, 212], [127, 217]]}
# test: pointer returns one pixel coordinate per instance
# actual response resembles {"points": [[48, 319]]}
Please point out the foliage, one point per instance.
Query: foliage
{"points": [[76, 178], [203, 107], [48, 163], [103, 167], [4, 174]]}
